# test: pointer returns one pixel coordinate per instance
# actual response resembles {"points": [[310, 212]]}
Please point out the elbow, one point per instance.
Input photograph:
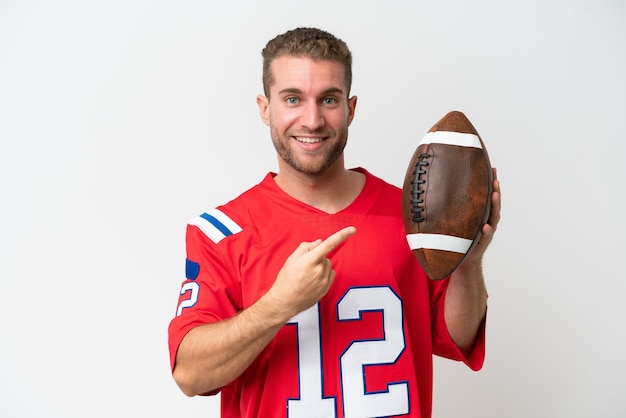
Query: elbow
{"points": [[183, 382], [191, 386]]}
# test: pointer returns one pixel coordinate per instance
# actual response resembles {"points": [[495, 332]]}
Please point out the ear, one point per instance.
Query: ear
{"points": [[351, 108], [264, 108]]}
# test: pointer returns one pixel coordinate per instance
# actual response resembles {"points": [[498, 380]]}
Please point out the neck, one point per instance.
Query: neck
{"points": [[330, 191]]}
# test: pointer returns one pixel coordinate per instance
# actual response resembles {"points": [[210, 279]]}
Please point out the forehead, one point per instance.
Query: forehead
{"points": [[306, 74]]}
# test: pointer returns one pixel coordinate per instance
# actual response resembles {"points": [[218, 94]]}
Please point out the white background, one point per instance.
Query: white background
{"points": [[121, 120]]}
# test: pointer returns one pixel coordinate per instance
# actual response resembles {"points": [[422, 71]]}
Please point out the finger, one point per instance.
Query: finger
{"points": [[333, 241], [304, 248], [495, 182], [332, 276], [308, 246], [486, 232], [496, 204]]}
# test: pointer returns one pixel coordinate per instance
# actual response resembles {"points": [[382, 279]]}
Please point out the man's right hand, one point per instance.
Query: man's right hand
{"points": [[306, 275]]}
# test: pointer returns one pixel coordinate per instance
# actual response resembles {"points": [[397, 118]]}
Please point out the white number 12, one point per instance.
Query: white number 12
{"points": [[357, 402]]}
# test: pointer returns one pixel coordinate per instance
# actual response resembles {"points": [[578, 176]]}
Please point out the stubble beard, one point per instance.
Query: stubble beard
{"points": [[322, 160]]}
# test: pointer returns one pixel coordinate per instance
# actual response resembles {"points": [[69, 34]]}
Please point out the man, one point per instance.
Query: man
{"points": [[302, 297]]}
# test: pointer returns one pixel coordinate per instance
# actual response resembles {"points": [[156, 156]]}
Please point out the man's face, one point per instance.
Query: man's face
{"points": [[308, 112]]}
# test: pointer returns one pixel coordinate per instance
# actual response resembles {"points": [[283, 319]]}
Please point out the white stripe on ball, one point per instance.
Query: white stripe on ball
{"points": [[438, 242], [452, 138]]}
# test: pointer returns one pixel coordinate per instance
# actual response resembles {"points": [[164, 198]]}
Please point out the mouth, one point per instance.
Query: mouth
{"points": [[308, 139]]}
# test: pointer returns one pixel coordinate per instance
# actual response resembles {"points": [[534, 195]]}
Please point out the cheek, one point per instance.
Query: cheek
{"points": [[339, 116], [282, 119], [338, 120]]}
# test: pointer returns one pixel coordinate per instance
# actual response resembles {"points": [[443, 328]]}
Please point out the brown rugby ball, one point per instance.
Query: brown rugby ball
{"points": [[446, 195]]}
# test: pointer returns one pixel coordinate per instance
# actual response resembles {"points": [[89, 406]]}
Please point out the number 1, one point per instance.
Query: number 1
{"points": [[311, 403]]}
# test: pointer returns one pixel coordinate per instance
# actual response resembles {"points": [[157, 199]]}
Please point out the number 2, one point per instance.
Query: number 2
{"points": [[357, 401], [192, 287]]}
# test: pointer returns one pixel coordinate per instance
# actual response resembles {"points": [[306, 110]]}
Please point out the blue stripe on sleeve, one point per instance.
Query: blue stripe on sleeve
{"points": [[192, 269], [220, 226]]}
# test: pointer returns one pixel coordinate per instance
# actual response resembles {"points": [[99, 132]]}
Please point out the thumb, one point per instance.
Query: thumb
{"points": [[305, 247]]}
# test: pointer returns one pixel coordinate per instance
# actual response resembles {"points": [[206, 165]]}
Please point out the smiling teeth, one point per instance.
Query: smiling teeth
{"points": [[308, 140]]}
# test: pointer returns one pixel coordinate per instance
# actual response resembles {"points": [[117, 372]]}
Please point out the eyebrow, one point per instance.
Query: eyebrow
{"points": [[294, 90]]}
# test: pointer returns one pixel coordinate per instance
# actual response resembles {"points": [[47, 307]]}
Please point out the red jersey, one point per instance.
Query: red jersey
{"points": [[365, 350]]}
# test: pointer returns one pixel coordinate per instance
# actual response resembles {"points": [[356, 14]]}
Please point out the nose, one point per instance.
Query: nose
{"points": [[312, 117]]}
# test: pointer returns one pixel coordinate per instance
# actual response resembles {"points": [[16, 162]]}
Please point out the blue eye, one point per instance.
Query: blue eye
{"points": [[329, 101], [291, 100]]}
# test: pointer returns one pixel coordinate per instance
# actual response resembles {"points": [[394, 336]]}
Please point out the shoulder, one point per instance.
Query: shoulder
{"points": [[379, 195], [377, 183], [231, 218], [215, 224]]}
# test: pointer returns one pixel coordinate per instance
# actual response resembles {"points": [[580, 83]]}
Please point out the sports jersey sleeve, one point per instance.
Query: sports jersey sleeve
{"points": [[443, 345], [210, 291]]}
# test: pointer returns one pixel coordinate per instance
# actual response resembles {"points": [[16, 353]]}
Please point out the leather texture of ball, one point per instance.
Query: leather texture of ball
{"points": [[446, 195]]}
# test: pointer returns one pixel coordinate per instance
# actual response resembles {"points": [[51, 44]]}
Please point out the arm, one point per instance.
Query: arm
{"points": [[213, 355], [466, 297]]}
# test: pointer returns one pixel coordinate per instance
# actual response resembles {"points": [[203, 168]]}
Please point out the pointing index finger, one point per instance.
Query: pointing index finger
{"points": [[333, 241]]}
